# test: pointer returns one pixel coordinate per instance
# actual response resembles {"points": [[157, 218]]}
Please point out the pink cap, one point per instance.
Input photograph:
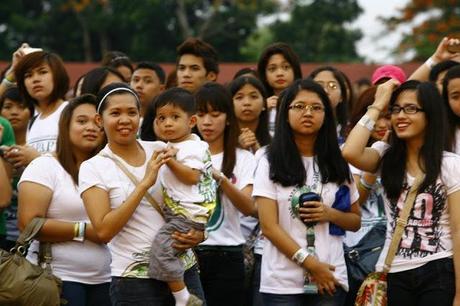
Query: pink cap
{"points": [[388, 71]]}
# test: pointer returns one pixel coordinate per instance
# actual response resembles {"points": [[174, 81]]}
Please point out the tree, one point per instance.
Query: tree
{"points": [[430, 21], [319, 30], [144, 29]]}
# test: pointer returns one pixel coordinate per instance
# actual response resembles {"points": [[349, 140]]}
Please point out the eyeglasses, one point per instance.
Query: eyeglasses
{"points": [[407, 109], [328, 85], [314, 108]]}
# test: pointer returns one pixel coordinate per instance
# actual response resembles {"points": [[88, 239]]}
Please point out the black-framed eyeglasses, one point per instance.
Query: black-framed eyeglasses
{"points": [[407, 109], [300, 107]]}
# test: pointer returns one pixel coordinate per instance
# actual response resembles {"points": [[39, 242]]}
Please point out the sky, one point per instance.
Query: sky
{"points": [[376, 44]]}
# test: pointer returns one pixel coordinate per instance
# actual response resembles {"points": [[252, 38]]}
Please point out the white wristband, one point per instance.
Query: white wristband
{"points": [[367, 122], [300, 256], [430, 62]]}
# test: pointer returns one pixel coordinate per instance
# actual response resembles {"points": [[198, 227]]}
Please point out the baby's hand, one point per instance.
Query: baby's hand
{"points": [[170, 153]]}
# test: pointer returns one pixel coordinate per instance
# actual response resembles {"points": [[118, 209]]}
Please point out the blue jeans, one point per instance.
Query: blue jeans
{"points": [[222, 275], [338, 299], [126, 291], [79, 294], [430, 284]]}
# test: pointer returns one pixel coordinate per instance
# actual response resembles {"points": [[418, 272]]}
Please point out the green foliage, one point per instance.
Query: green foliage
{"points": [[319, 32], [144, 29], [435, 19]]}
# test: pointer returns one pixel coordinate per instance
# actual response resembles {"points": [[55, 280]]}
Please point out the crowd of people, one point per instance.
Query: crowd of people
{"points": [[172, 189]]}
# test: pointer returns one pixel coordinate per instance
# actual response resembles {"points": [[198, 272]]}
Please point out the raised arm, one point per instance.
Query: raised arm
{"points": [[10, 78], [354, 150], [441, 54]]}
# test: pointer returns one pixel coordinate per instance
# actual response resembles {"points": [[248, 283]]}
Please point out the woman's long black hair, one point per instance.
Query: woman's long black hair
{"points": [[262, 132], [286, 166], [217, 97], [430, 154], [453, 121]]}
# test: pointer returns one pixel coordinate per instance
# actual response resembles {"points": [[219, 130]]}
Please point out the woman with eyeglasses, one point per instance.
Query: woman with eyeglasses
{"points": [[306, 200], [426, 268], [335, 84]]}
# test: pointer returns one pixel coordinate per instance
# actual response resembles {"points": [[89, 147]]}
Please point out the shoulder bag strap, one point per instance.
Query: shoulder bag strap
{"points": [[133, 179], [31, 230], [401, 222]]}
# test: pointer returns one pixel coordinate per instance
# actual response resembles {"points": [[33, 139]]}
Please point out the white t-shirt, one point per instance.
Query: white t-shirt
{"points": [[43, 134], [281, 275], [427, 235], [372, 211], [86, 262], [195, 202], [224, 225], [130, 248]]}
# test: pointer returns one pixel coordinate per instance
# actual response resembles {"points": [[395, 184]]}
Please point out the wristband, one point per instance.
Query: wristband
{"points": [[7, 82], [372, 106], [367, 122], [75, 229], [300, 256], [11, 80], [221, 178], [430, 62], [81, 232], [365, 184]]}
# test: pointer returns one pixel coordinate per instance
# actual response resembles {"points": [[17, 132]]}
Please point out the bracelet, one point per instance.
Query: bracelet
{"points": [[75, 229], [300, 256], [372, 106], [365, 184], [221, 178], [81, 232], [430, 62], [9, 79], [7, 82], [367, 122]]}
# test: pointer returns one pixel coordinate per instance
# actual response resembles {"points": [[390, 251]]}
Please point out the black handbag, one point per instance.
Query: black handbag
{"points": [[361, 258]]}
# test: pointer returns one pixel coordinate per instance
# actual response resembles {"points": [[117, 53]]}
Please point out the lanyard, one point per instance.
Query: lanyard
{"points": [[317, 184]]}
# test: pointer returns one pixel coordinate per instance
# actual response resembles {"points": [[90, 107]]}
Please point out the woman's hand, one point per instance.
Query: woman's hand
{"points": [[322, 275], [16, 57], [248, 140], [272, 101], [151, 172], [442, 54], [383, 94], [188, 240], [314, 212], [21, 156]]}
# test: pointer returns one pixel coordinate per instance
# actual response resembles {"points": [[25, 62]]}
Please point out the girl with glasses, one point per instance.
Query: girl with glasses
{"points": [[304, 157], [426, 265]]}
